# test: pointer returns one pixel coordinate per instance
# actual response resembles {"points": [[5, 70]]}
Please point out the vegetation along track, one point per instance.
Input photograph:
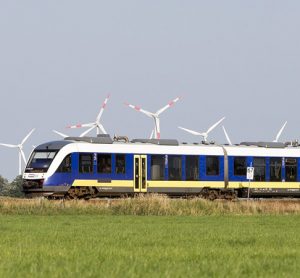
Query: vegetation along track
{"points": [[149, 205]]}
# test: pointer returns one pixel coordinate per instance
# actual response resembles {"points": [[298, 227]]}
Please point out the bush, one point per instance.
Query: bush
{"points": [[3, 186], [13, 189]]}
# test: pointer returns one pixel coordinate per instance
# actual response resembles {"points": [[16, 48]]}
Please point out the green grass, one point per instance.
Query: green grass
{"points": [[149, 246]]}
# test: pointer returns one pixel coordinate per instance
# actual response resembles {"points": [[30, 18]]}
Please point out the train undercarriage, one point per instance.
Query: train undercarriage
{"points": [[90, 192]]}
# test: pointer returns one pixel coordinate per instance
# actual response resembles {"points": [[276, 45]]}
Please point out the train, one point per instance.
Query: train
{"points": [[95, 167]]}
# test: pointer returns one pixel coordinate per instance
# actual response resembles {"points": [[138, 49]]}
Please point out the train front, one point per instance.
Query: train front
{"points": [[43, 162]]}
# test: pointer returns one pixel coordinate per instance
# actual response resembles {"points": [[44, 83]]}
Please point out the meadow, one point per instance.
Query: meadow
{"points": [[145, 237]]}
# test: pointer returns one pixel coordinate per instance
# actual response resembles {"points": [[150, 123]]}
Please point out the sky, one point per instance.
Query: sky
{"points": [[59, 59]]}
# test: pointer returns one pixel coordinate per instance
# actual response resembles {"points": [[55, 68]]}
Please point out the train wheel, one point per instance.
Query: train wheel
{"points": [[80, 193], [204, 193], [71, 194], [230, 195], [213, 194]]}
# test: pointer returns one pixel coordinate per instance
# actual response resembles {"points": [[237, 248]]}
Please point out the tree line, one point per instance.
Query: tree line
{"points": [[11, 189]]}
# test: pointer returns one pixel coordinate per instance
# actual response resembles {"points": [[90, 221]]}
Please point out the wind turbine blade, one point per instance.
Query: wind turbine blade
{"points": [[279, 133], [81, 125], [214, 126], [191, 131], [102, 128], [8, 145], [23, 156], [139, 109], [157, 127], [152, 133], [87, 131], [170, 104], [226, 135], [60, 134], [24, 140], [102, 108]]}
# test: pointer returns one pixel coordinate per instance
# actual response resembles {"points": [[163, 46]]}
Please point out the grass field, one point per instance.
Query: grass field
{"points": [[42, 239], [149, 205]]}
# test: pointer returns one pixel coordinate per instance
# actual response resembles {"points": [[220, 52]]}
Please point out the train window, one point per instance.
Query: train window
{"points": [[86, 163], [157, 167], [275, 168], [192, 168], [65, 166], [104, 163], [40, 161], [120, 163], [259, 164], [175, 166], [212, 166], [240, 166], [291, 169]]}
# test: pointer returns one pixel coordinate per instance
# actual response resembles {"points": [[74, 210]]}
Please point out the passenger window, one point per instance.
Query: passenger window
{"points": [[192, 168], [259, 165], [175, 168], [120, 163], [65, 166], [275, 168], [291, 169], [212, 166], [240, 166], [86, 163], [104, 163], [158, 167]]}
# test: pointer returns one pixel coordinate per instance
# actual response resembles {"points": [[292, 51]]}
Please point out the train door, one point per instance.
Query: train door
{"points": [[140, 173]]}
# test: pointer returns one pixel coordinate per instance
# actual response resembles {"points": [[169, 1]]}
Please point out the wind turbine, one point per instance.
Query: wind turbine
{"points": [[21, 152], [203, 134], [154, 116], [279, 133], [97, 124]]}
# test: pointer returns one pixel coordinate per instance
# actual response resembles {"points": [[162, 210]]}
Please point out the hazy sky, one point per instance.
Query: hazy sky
{"points": [[59, 59]]}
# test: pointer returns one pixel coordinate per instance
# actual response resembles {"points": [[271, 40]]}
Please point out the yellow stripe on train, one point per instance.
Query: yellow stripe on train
{"points": [[113, 183], [267, 184], [188, 184]]}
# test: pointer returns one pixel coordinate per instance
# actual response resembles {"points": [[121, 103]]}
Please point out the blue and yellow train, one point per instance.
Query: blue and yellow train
{"points": [[99, 166]]}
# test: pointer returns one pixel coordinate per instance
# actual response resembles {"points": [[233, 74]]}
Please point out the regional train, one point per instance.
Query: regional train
{"points": [[92, 167]]}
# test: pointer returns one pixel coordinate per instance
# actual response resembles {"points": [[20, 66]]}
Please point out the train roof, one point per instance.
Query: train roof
{"points": [[172, 146], [53, 145]]}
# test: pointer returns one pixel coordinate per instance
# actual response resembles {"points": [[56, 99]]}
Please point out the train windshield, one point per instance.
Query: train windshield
{"points": [[40, 161]]}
